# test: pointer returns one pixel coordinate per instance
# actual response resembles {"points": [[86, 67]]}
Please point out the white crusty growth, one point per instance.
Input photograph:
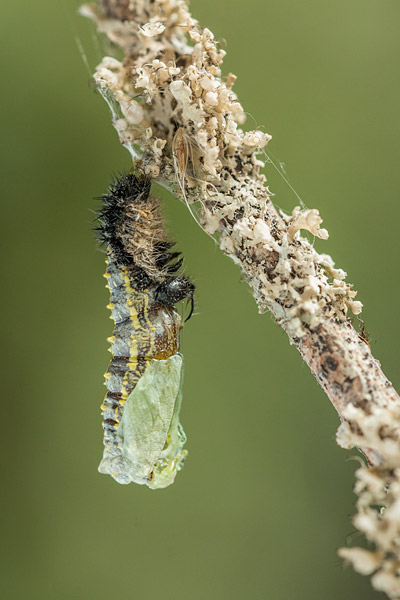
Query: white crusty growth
{"points": [[181, 121], [154, 101]]}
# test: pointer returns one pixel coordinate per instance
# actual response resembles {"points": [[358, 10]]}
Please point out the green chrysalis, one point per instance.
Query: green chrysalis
{"points": [[149, 435]]}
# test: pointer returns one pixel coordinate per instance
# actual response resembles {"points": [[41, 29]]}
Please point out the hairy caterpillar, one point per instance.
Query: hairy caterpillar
{"points": [[143, 438]]}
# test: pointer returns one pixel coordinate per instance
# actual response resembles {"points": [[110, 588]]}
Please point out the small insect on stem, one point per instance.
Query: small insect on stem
{"points": [[143, 438], [180, 151], [364, 335]]}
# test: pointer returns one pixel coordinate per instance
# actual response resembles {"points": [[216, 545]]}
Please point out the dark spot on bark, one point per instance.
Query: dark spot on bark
{"points": [[274, 229], [330, 363], [239, 163], [118, 9], [362, 403], [355, 428], [271, 260], [348, 382], [324, 344], [385, 433], [337, 387], [238, 214]]}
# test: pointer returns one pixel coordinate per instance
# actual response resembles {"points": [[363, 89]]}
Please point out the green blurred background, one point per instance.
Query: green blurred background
{"points": [[265, 498]]}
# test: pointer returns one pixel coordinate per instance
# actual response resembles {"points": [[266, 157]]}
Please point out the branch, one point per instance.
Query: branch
{"points": [[180, 120]]}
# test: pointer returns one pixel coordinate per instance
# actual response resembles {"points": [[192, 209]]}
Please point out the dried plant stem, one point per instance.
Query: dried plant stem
{"points": [[180, 120]]}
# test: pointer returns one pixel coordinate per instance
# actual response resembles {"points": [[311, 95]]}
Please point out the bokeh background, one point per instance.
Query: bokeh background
{"points": [[265, 497]]}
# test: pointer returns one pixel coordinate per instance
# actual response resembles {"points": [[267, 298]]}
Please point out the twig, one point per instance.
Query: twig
{"points": [[180, 121]]}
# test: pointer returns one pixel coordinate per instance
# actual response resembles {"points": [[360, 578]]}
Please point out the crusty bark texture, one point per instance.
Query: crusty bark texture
{"points": [[181, 121]]}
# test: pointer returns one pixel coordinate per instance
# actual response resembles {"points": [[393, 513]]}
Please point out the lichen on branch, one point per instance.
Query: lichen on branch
{"points": [[180, 119]]}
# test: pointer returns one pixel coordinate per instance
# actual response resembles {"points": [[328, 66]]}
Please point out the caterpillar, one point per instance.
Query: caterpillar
{"points": [[143, 439]]}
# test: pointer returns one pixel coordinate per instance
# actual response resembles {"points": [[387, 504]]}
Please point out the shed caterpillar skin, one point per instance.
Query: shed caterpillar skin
{"points": [[143, 438]]}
